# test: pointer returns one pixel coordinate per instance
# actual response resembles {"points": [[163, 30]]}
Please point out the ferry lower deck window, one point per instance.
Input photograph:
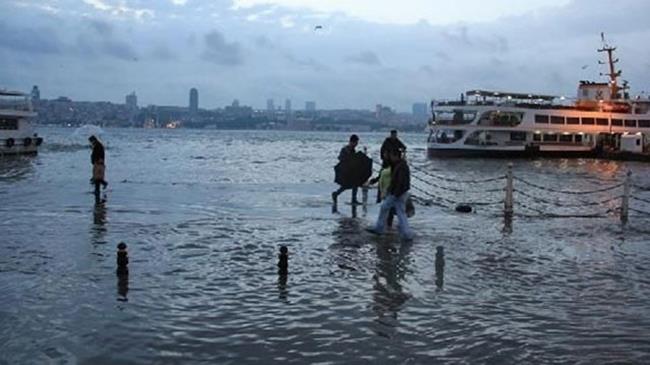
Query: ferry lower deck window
{"points": [[550, 138], [617, 122], [577, 138], [630, 123], [644, 123], [557, 120], [566, 138], [602, 121], [8, 124], [571, 120], [541, 119], [588, 121], [537, 137], [517, 136]]}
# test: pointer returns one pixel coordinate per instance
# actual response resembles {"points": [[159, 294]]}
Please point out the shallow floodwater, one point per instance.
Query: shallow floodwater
{"points": [[204, 213]]}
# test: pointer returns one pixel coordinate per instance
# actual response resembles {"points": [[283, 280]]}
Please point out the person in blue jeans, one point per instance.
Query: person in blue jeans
{"points": [[396, 197]]}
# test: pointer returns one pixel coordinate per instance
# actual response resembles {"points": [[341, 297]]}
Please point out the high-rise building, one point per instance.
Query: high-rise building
{"points": [[132, 101], [194, 101], [287, 106], [270, 105], [420, 110], [235, 103], [310, 106], [36, 93]]}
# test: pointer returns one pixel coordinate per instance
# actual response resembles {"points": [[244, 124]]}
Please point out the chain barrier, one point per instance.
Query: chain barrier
{"points": [[528, 202]]}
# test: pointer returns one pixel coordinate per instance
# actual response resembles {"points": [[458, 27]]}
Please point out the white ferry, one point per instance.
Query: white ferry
{"points": [[16, 133], [602, 122]]}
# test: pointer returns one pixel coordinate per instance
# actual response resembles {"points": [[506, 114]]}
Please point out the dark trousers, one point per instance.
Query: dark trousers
{"points": [[342, 189]]}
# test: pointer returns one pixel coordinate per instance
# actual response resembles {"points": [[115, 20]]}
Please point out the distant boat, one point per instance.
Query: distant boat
{"points": [[602, 122], [17, 136]]}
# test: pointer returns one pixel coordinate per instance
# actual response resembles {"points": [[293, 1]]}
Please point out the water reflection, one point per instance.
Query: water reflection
{"points": [[283, 292], [15, 168], [98, 229], [122, 287], [440, 267], [390, 271]]}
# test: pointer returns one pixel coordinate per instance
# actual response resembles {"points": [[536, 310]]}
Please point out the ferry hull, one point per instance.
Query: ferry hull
{"points": [[523, 154]]}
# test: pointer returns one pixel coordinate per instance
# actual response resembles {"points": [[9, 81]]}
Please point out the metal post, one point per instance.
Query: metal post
{"points": [[508, 202], [625, 203]]}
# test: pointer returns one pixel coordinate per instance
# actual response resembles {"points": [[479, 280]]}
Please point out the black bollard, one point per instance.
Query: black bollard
{"points": [[122, 259], [440, 266], [283, 261]]}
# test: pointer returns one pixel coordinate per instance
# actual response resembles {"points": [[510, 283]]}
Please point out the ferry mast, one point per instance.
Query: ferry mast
{"points": [[613, 73]]}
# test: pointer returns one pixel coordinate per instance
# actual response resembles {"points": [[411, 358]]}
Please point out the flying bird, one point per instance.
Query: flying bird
{"points": [[318, 27], [585, 67]]}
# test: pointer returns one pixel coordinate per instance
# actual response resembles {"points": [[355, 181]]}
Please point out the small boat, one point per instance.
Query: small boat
{"points": [[603, 122], [17, 136]]}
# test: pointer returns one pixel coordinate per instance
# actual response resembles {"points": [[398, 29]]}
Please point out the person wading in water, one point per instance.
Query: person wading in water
{"points": [[97, 159]]}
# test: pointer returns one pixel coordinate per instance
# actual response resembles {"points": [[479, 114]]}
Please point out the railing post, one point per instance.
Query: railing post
{"points": [[508, 202], [625, 203]]}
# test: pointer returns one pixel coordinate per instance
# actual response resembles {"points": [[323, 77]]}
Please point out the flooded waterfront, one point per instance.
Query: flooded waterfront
{"points": [[204, 213]]}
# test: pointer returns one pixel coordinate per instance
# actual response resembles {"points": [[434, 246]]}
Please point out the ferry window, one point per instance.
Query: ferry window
{"points": [[588, 121], [644, 123], [517, 136], [572, 120], [541, 119], [578, 138], [602, 121], [447, 117], [8, 124], [550, 137], [566, 138], [638, 142], [557, 120], [617, 122], [630, 123], [501, 119], [537, 137]]}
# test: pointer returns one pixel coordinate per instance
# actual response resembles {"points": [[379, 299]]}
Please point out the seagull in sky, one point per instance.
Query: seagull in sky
{"points": [[318, 27]]}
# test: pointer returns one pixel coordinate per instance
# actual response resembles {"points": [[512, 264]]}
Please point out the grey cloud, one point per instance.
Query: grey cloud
{"points": [[101, 27], [31, 40], [264, 42], [365, 57], [218, 50], [162, 52], [119, 49], [307, 63]]}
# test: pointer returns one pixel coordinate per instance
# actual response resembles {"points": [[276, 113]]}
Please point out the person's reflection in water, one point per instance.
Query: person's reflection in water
{"points": [[388, 295], [98, 229], [347, 242], [440, 267]]}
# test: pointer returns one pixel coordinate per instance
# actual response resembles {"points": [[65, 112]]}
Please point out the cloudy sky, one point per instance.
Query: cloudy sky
{"points": [[364, 52]]}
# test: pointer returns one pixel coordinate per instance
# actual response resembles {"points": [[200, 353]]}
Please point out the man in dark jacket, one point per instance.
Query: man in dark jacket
{"points": [[97, 159], [347, 152], [396, 197], [391, 143]]}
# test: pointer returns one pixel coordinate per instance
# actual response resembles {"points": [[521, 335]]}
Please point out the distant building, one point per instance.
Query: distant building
{"points": [[420, 110], [310, 106], [132, 101], [36, 93], [287, 106], [235, 103], [270, 105], [194, 101]]}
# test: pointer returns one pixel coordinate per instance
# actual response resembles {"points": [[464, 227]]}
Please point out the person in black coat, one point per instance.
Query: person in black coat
{"points": [[347, 152], [391, 143], [97, 159]]}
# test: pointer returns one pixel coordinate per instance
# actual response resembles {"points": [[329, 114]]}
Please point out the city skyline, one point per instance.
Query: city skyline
{"points": [[362, 53]]}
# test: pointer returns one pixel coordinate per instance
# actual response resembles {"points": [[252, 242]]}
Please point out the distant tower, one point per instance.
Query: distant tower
{"points": [[235, 103], [194, 101], [132, 101], [270, 105], [310, 106], [36, 93], [287, 106]]}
